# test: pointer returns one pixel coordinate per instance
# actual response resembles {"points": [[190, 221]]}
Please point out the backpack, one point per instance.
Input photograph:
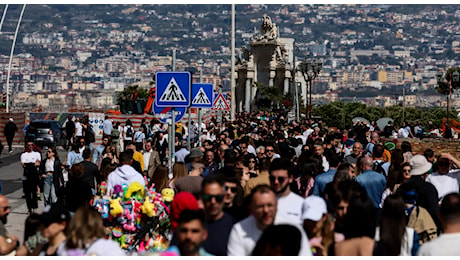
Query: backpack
{"points": [[377, 167], [129, 132], [115, 133]]}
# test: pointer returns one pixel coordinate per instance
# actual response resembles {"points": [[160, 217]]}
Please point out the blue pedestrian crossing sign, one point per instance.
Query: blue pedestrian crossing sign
{"points": [[202, 95], [173, 89]]}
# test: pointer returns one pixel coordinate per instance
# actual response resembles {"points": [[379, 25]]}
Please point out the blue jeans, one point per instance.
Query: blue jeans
{"points": [[49, 192]]}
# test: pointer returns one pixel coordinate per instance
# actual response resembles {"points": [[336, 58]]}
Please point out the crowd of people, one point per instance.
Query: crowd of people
{"points": [[260, 185]]}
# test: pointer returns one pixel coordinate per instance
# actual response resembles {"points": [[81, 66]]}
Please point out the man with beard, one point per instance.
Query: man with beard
{"points": [[191, 231], [7, 243], [219, 223], [290, 205]]}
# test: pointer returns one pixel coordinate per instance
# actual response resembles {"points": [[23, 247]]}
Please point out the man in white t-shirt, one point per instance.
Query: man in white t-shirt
{"points": [[246, 233], [290, 205], [78, 129], [443, 183], [447, 243], [30, 161]]}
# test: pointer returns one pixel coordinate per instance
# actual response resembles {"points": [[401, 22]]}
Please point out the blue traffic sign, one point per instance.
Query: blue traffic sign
{"points": [[202, 95], [164, 114], [173, 89]]}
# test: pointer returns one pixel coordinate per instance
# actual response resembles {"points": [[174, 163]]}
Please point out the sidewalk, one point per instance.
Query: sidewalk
{"points": [[18, 214]]}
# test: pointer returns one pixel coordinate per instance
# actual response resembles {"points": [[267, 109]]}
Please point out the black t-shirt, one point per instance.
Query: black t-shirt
{"points": [[218, 234], [90, 172]]}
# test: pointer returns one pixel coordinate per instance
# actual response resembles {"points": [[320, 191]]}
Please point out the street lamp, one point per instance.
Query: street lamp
{"points": [[446, 87], [310, 70]]}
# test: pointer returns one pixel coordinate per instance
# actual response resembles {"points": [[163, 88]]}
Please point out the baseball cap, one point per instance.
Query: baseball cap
{"points": [[54, 213], [315, 208]]}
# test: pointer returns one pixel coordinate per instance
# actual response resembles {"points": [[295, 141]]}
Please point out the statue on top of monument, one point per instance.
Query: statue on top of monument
{"points": [[268, 29]]}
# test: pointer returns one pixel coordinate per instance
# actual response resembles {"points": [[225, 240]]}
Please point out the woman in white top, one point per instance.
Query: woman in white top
{"points": [[85, 236], [51, 173]]}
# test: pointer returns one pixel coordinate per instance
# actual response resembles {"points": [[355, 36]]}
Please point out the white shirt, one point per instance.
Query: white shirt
{"points": [[49, 165], [325, 164], [291, 207], [30, 157], [455, 174], [251, 149], [444, 184], [146, 156], [402, 133], [444, 245], [78, 129], [244, 236]]}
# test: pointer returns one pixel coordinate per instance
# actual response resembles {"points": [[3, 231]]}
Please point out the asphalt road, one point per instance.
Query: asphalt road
{"points": [[11, 178]]}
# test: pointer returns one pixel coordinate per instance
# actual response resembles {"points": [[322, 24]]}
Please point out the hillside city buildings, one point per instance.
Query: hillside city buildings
{"points": [[87, 68]]}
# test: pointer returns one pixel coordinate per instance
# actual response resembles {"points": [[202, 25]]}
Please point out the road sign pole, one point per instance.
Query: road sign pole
{"points": [[199, 127], [172, 144], [189, 124]]}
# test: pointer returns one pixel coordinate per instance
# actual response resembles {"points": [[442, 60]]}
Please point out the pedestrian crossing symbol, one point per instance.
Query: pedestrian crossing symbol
{"points": [[221, 103], [201, 98], [202, 95], [172, 93], [173, 89]]}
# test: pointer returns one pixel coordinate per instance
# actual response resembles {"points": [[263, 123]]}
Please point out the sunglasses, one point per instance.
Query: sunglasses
{"points": [[6, 208], [268, 151], [274, 178], [49, 151], [232, 189], [252, 161], [208, 198]]}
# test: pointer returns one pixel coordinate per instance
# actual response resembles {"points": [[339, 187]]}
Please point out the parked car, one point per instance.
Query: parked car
{"points": [[46, 133]]}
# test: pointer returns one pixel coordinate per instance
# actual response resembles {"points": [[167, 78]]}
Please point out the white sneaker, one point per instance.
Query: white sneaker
{"points": [[11, 151]]}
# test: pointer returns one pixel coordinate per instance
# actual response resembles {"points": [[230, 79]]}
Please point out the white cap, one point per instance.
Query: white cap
{"points": [[11, 119], [315, 208]]}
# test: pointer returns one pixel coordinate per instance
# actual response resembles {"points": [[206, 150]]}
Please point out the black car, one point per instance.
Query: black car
{"points": [[46, 133]]}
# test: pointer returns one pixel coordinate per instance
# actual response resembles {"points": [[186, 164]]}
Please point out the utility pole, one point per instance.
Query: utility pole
{"points": [[232, 84]]}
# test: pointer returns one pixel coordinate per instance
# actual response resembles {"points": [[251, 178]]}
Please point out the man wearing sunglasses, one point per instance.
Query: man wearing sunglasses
{"points": [[7, 243], [290, 205], [219, 223]]}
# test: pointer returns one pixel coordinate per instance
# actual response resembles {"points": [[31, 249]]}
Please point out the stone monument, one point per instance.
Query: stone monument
{"points": [[268, 62]]}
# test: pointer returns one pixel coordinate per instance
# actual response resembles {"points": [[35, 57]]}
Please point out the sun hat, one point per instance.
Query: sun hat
{"points": [[419, 165], [196, 152]]}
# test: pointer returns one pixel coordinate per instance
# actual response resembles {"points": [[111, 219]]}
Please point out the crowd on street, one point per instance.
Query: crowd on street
{"points": [[258, 185]]}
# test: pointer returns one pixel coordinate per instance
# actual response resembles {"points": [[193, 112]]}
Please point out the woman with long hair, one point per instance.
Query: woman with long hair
{"points": [[359, 228], [406, 148], [394, 238], [51, 173], [397, 159], [160, 178], [179, 171], [395, 179], [85, 236]]}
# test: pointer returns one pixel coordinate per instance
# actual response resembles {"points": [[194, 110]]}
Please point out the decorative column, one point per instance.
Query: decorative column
{"points": [[271, 81], [247, 100]]}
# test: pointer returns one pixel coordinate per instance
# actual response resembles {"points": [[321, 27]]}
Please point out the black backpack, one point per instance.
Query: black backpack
{"points": [[377, 167], [129, 132]]}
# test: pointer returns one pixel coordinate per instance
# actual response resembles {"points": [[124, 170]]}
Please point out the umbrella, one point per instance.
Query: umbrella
{"points": [[361, 119], [382, 122]]}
